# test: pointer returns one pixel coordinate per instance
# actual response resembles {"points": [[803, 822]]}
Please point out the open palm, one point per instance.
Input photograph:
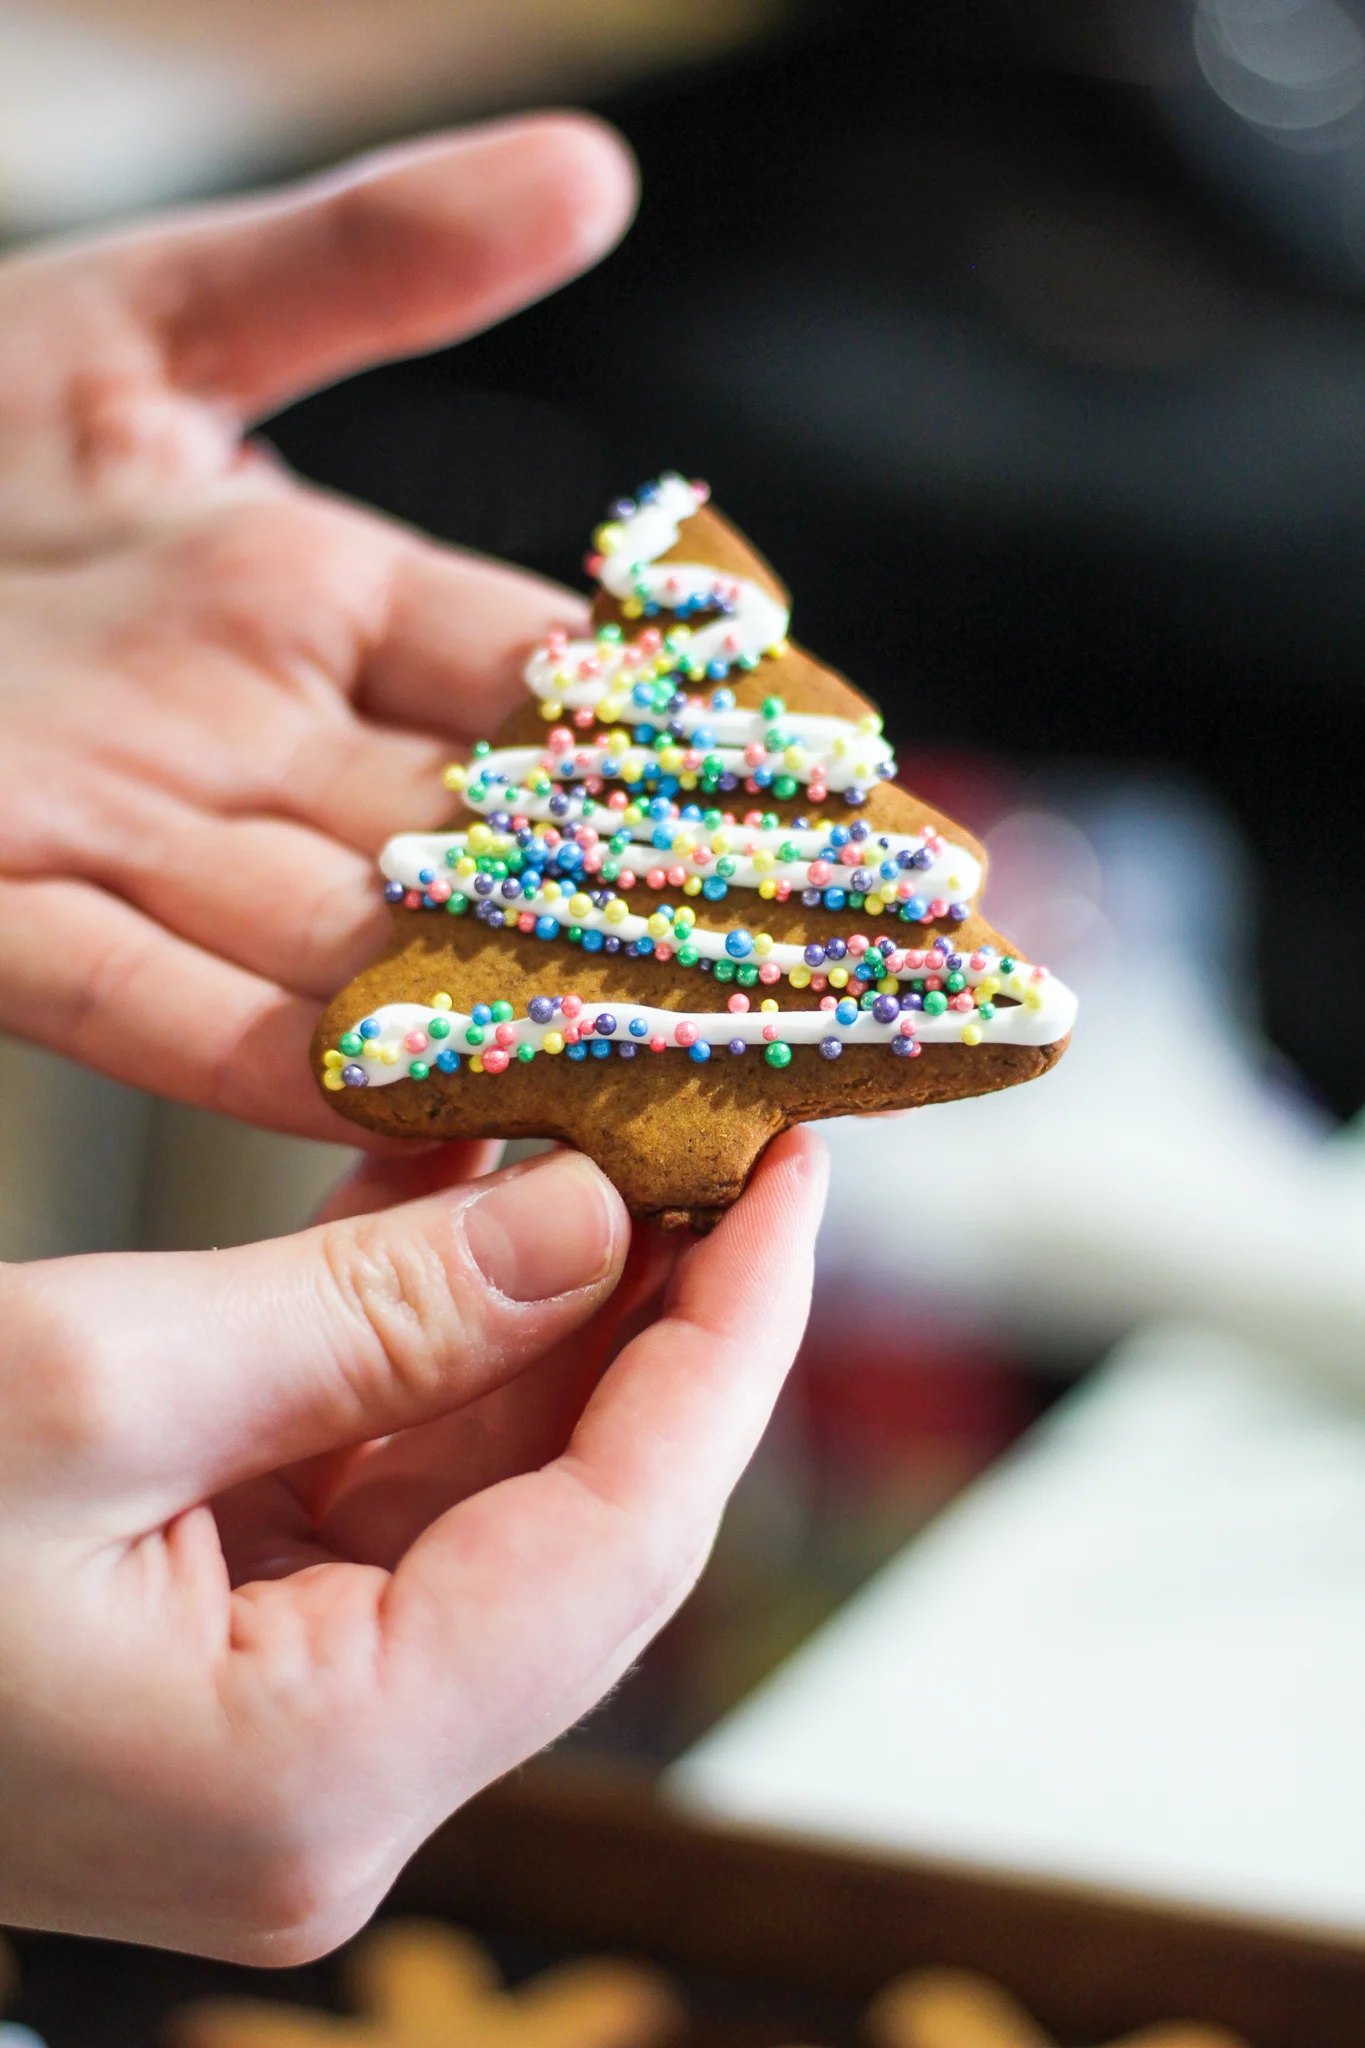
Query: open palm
{"points": [[218, 687]]}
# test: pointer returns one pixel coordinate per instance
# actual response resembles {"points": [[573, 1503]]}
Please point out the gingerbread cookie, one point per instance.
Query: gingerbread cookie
{"points": [[956, 2009], [693, 911], [418, 1984]]}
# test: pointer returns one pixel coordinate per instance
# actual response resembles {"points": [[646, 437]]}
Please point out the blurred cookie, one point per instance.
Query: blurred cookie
{"points": [[419, 1984], [955, 2009]]}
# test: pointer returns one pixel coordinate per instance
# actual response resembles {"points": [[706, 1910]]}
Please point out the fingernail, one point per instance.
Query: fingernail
{"points": [[548, 1230]]}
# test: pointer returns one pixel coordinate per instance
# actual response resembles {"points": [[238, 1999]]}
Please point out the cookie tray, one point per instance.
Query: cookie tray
{"points": [[588, 1855]]}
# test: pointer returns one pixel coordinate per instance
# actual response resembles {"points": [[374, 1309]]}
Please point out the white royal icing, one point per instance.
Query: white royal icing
{"points": [[561, 785]]}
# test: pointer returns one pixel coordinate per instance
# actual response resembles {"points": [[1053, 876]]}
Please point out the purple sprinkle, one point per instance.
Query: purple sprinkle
{"points": [[605, 1025], [540, 1009], [835, 949], [903, 1046], [627, 1050], [738, 1046], [912, 1002], [811, 898], [611, 945], [886, 1009], [814, 955], [394, 892], [355, 1077], [831, 1048]]}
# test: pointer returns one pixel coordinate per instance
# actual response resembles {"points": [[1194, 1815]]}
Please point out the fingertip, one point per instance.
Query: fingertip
{"points": [[594, 176]]}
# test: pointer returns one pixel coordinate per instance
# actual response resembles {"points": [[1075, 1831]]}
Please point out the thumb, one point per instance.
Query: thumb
{"points": [[179, 1374]]}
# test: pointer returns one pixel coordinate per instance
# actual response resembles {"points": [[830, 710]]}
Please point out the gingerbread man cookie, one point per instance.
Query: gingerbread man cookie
{"points": [[418, 1984], [955, 2009], [685, 904]]}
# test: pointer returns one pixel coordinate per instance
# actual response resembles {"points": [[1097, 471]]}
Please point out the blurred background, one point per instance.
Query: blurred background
{"points": [[1027, 338]]}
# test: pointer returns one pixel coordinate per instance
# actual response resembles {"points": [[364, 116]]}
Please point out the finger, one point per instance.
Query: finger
{"points": [[305, 1344], [539, 1591], [373, 1510], [456, 639], [382, 1182], [91, 978], [404, 250]]}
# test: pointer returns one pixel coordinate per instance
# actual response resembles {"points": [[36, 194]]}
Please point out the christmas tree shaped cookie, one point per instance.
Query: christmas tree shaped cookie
{"points": [[684, 904]]}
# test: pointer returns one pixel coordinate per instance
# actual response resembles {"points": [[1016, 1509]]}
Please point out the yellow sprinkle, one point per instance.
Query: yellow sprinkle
{"points": [[870, 722], [480, 838], [334, 1059], [692, 886], [617, 742], [954, 883], [332, 1079], [466, 865], [795, 759], [763, 944], [554, 1041], [684, 920], [777, 650], [632, 608], [799, 977], [370, 1050], [389, 1055], [659, 926], [838, 977], [475, 1064], [551, 891], [767, 1004], [632, 767], [615, 911], [456, 776], [549, 712], [888, 986], [874, 904], [1033, 1000], [631, 815], [989, 985], [767, 890], [689, 780], [670, 759], [579, 904], [441, 1001], [608, 537], [609, 710], [764, 860], [683, 844], [971, 1034], [721, 842]]}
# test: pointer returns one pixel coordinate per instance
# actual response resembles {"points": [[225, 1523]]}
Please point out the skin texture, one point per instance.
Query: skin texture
{"points": [[300, 1544]]}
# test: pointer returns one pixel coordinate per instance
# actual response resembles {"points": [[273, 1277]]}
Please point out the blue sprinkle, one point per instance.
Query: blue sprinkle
{"points": [[547, 927], [700, 1051], [448, 1061], [576, 1052], [371, 1028]]}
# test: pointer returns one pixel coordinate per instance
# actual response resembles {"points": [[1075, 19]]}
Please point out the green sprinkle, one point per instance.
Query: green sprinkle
{"points": [[935, 1003], [502, 1013], [955, 984], [456, 906], [778, 1054], [474, 1035], [439, 1027], [724, 970], [787, 852], [725, 868], [773, 707], [785, 786], [1007, 965], [747, 975], [985, 1011], [526, 1053], [351, 1043], [419, 1070], [481, 747], [688, 956]]}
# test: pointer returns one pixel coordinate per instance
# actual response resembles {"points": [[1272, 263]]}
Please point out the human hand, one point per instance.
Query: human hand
{"points": [[219, 688], [300, 1544]]}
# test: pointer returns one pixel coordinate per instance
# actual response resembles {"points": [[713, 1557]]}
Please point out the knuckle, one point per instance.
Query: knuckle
{"points": [[396, 1285], [62, 1394]]}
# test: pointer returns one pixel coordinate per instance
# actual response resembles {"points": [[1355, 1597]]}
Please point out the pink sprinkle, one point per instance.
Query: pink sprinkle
{"points": [[592, 861], [553, 835], [754, 755], [572, 1006], [572, 1034], [626, 879], [527, 921], [593, 785], [858, 945], [818, 873], [692, 760], [413, 900], [439, 892], [963, 1001], [656, 878], [560, 740], [739, 1004], [826, 1002], [416, 1041], [753, 818], [977, 962], [907, 1027], [850, 855], [782, 892], [582, 718], [817, 982], [685, 1034], [817, 792], [895, 962], [938, 907], [1038, 974], [770, 1032], [658, 1044], [677, 875], [663, 951], [495, 1061], [769, 972], [701, 856], [651, 640], [617, 800], [506, 1035], [915, 1048]]}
